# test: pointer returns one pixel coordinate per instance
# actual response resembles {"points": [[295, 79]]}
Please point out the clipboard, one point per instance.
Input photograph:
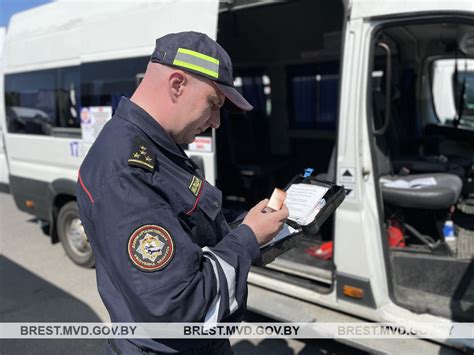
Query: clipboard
{"points": [[333, 197]]}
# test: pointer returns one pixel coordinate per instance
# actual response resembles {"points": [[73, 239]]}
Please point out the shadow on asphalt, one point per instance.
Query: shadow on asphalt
{"points": [[43, 225], [25, 297]]}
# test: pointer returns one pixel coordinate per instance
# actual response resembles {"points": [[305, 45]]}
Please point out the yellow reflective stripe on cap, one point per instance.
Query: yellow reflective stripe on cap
{"points": [[199, 62], [199, 55], [196, 67]]}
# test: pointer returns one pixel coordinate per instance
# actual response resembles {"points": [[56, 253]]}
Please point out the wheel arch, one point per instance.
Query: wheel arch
{"points": [[61, 192]]}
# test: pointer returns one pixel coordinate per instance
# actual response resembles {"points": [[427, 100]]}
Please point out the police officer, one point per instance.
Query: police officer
{"points": [[164, 252]]}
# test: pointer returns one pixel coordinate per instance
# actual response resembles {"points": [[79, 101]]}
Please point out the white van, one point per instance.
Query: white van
{"points": [[345, 88], [66, 66]]}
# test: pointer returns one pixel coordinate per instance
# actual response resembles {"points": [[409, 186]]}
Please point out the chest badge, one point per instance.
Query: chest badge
{"points": [[150, 248], [195, 185]]}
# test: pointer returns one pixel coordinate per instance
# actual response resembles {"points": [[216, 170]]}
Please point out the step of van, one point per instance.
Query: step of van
{"points": [[298, 263], [288, 309]]}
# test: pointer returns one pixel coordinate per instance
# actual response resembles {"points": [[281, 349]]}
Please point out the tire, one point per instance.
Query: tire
{"points": [[72, 236]]}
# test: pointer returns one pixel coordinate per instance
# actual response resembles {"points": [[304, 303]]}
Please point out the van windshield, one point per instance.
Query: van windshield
{"points": [[453, 93]]}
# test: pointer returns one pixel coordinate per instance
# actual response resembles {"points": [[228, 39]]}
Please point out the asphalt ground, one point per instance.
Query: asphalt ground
{"points": [[38, 283]]}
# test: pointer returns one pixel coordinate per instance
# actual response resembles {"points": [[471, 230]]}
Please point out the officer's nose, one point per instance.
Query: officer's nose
{"points": [[215, 120]]}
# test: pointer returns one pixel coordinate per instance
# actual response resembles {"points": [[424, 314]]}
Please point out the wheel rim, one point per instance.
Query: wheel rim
{"points": [[77, 237]]}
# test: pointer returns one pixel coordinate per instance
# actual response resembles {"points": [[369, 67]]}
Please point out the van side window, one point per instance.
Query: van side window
{"points": [[41, 101], [31, 101], [69, 96], [312, 91], [104, 83], [257, 89]]}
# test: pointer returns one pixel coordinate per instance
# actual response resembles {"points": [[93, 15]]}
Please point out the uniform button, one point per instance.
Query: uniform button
{"points": [[216, 204]]}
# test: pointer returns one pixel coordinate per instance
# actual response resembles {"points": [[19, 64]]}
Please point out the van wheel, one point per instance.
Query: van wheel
{"points": [[72, 235]]}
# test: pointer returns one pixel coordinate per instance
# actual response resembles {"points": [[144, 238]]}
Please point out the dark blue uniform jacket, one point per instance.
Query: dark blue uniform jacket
{"points": [[164, 252]]}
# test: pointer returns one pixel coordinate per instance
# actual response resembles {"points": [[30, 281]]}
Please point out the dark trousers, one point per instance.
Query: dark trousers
{"points": [[124, 347]]}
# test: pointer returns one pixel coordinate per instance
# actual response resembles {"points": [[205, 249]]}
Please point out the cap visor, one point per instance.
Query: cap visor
{"points": [[234, 96]]}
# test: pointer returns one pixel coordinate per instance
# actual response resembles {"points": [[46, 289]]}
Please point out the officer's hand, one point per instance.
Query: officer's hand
{"points": [[265, 225]]}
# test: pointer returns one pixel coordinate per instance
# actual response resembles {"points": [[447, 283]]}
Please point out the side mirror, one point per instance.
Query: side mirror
{"points": [[466, 44]]}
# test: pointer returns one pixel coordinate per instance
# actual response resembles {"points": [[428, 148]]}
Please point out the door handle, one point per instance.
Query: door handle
{"points": [[365, 173]]}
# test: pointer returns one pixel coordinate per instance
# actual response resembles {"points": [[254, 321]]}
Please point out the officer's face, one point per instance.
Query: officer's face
{"points": [[202, 109]]}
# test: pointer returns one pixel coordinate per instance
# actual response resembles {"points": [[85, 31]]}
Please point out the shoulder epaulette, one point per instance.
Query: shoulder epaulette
{"points": [[141, 155]]}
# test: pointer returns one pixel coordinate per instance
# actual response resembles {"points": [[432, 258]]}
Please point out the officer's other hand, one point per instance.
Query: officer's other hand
{"points": [[265, 225]]}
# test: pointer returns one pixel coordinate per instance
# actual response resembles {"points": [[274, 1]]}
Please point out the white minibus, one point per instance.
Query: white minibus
{"points": [[347, 88]]}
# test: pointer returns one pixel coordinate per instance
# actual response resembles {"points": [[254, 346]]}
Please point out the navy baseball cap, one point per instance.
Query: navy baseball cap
{"points": [[197, 53]]}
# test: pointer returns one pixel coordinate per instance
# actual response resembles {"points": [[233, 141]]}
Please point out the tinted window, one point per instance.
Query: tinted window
{"points": [[69, 97], [49, 101], [256, 89], [38, 102], [312, 91], [31, 101], [104, 83]]}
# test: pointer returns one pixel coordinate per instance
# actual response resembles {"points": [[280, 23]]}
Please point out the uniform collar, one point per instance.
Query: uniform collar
{"points": [[133, 113]]}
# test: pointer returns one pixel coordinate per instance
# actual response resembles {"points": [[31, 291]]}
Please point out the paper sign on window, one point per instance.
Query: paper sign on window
{"points": [[201, 144], [93, 119]]}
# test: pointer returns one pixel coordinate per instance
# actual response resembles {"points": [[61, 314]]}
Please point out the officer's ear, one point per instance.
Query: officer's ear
{"points": [[177, 81]]}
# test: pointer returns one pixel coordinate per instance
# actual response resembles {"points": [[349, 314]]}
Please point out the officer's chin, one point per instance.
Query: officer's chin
{"points": [[183, 139], [189, 140]]}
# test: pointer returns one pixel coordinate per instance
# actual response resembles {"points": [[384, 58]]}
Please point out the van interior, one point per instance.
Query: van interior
{"points": [[292, 83], [424, 162]]}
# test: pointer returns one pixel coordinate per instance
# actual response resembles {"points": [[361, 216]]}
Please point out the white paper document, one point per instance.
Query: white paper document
{"points": [[93, 119], [413, 184], [304, 201]]}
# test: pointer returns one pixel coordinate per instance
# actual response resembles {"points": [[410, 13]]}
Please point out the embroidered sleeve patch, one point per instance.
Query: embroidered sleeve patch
{"points": [[195, 185], [141, 155], [150, 248]]}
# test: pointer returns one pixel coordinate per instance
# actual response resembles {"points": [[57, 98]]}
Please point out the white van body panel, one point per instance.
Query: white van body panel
{"points": [[356, 228], [51, 160], [70, 25]]}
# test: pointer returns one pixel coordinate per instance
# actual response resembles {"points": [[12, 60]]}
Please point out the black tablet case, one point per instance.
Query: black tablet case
{"points": [[334, 197]]}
